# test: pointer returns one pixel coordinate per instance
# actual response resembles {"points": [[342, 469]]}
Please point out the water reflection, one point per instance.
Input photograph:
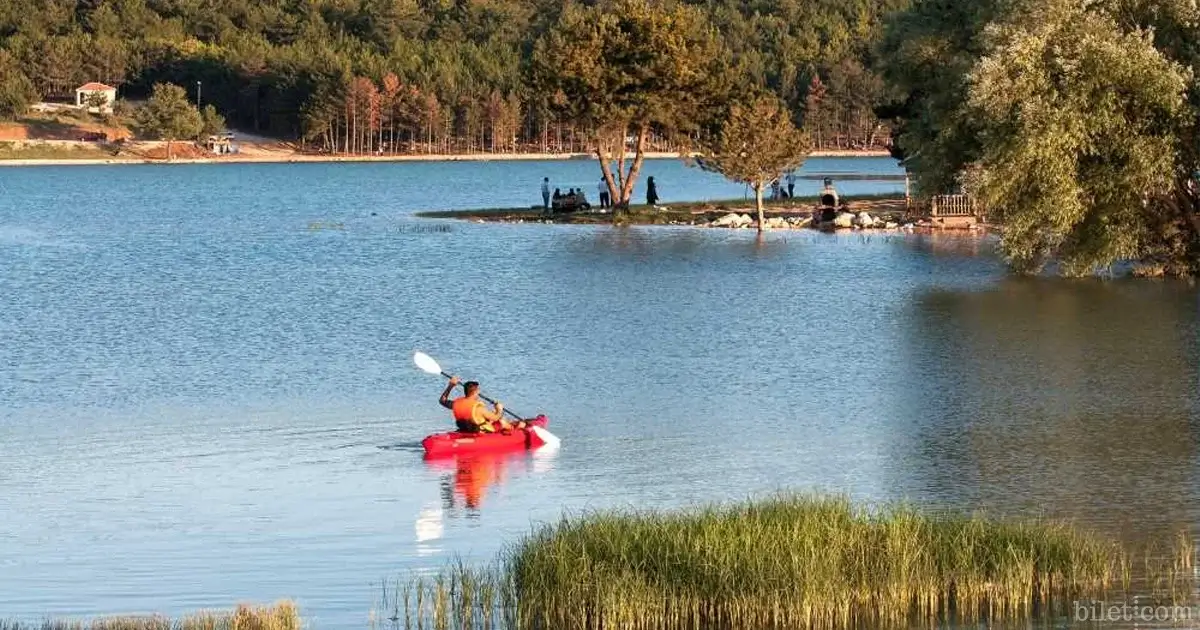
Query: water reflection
{"points": [[467, 480], [1072, 399], [952, 243]]}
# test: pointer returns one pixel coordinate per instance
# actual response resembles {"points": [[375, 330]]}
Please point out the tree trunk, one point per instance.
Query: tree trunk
{"points": [[602, 152], [639, 154], [758, 205]]}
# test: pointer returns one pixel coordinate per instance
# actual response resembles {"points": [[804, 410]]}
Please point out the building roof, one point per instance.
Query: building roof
{"points": [[94, 87]]}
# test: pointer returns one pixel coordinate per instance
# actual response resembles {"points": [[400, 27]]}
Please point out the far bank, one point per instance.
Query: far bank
{"points": [[73, 153]]}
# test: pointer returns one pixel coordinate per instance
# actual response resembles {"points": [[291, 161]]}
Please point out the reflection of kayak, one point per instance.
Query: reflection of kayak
{"points": [[474, 474], [456, 442]]}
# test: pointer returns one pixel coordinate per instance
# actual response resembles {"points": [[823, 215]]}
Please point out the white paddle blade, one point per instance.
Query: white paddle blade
{"points": [[426, 363], [549, 438]]}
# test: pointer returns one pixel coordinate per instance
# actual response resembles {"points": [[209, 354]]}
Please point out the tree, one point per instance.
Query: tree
{"points": [[1078, 123], [815, 113], [17, 92], [756, 144], [623, 69], [212, 123], [169, 115], [928, 51]]}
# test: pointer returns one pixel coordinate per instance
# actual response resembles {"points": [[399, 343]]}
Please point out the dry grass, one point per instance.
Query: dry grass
{"points": [[38, 151], [282, 615]]}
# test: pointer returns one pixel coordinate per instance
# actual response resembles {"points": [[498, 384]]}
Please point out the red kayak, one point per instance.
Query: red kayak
{"points": [[457, 442]]}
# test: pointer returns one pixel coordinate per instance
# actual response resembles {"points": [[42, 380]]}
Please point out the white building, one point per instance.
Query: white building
{"points": [[84, 91]]}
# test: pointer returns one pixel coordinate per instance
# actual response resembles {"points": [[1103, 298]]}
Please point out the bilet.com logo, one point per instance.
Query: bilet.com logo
{"points": [[1102, 611]]}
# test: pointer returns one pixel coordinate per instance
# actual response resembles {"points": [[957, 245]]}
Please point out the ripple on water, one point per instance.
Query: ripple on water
{"points": [[203, 401]]}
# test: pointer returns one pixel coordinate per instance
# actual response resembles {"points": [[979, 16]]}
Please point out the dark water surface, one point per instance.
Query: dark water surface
{"points": [[207, 394]]}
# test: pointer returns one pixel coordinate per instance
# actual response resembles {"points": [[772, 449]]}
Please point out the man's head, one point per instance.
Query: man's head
{"points": [[470, 388]]}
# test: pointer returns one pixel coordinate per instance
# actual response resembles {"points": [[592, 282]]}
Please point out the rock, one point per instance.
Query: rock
{"points": [[728, 220], [843, 220], [801, 222], [864, 220], [891, 225], [776, 223]]}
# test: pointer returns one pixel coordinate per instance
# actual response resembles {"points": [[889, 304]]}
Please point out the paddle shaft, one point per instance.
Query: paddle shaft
{"points": [[506, 409]]}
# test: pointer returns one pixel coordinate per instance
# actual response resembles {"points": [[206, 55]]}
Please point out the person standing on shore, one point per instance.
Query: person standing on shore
{"points": [[651, 192], [791, 184], [603, 189], [546, 194]]}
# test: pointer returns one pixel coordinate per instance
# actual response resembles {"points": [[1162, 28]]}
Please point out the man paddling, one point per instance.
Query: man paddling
{"points": [[470, 414]]}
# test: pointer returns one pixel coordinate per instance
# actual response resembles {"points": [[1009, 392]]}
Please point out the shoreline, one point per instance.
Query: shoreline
{"points": [[868, 213], [260, 156]]}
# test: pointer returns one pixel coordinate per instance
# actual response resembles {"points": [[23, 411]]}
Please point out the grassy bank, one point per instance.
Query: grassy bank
{"points": [[43, 151], [679, 212], [279, 616], [794, 561]]}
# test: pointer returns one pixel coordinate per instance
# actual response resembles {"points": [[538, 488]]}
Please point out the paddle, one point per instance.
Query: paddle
{"points": [[428, 364]]}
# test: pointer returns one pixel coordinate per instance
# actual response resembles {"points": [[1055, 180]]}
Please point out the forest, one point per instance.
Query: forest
{"points": [[445, 76]]}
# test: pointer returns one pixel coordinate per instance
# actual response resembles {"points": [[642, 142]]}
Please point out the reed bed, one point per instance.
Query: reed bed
{"points": [[799, 561], [282, 615], [807, 562]]}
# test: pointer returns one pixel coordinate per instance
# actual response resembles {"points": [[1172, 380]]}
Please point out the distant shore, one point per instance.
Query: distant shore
{"points": [[252, 154]]}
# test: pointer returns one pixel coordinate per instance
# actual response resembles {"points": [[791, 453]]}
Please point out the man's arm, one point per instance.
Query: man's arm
{"points": [[445, 400], [495, 415]]}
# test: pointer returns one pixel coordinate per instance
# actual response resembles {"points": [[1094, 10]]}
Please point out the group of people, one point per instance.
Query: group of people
{"points": [[779, 192], [575, 198], [572, 200]]}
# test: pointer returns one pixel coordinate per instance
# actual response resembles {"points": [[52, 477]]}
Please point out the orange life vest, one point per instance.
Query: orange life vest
{"points": [[464, 409]]}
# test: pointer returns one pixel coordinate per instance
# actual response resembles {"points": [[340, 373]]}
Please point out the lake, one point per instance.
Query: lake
{"points": [[207, 392]]}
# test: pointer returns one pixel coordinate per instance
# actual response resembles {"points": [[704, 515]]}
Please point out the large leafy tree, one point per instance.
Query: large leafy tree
{"points": [[626, 69], [1077, 129], [169, 115], [755, 143], [928, 51], [1074, 122]]}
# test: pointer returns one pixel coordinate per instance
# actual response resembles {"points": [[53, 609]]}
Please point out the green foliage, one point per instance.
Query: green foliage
{"points": [[169, 115], [629, 68], [928, 51], [755, 144], [212, 123], [630, 63], [17, 92], [1075, 124], [269, 65]]}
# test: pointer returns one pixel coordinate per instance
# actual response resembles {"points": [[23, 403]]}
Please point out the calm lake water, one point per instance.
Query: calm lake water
{"points": [[207, 394]]}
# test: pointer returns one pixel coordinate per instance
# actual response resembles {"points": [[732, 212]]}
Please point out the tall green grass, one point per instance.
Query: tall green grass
{"points": [[787, 562], [802, 562]]}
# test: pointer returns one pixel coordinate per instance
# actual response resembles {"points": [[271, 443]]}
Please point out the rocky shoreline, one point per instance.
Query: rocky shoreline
{"points": [[843, 220], [877, 215]]}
